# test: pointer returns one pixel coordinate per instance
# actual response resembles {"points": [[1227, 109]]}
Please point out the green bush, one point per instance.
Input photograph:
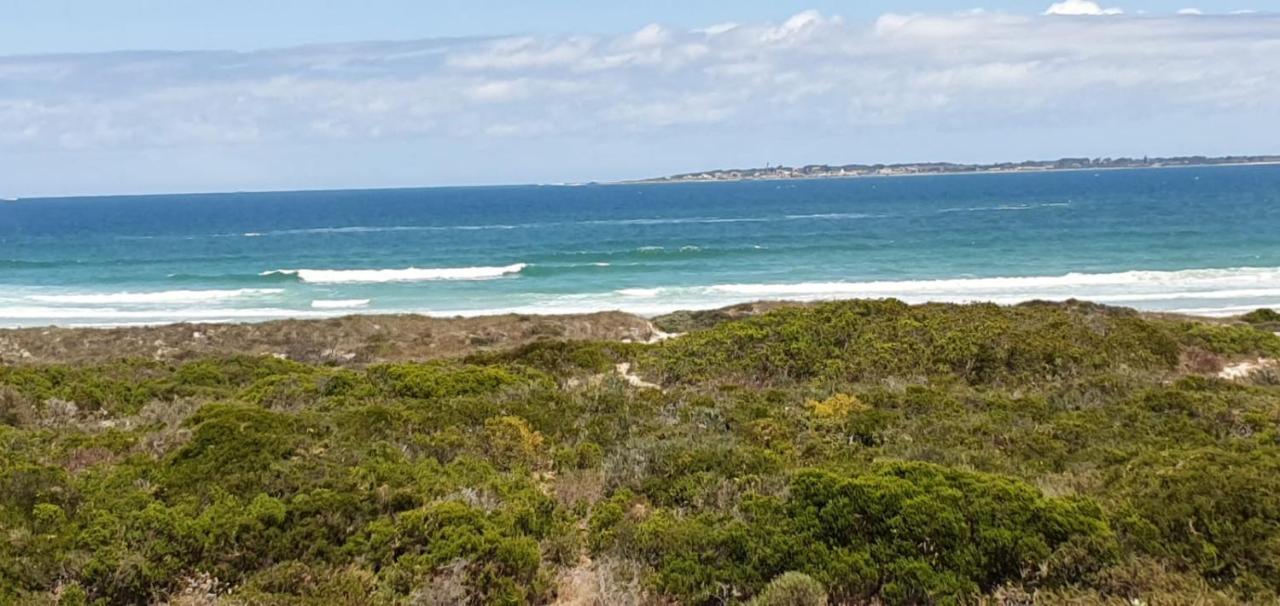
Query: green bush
{"points": [[500, 565], [868, 451], [792, 589], [1262, 316], [1229, 339], [436, 381], [901, 532], [236, 448], [558, 358], [866, 341], [112, 389], [510, 442], [1214, 511]]}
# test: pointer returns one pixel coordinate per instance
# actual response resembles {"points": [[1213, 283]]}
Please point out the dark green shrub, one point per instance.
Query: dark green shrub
{"points": [[558, 358], [435, 381], [1229, 339], [235, 448], [1214, 511], [903, 532], [852, 341], [233, 372], [500, 565], [1262, 316]]}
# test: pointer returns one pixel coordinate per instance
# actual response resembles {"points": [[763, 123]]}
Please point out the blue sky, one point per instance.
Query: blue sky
{"points": [[122, 96]]}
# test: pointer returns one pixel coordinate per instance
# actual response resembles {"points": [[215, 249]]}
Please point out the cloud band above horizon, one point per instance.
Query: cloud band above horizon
{"points": [[972, 72]]}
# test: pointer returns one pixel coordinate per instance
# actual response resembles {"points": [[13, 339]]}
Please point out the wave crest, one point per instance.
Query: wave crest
{"points": [[339, 303], [154, 298], [409, 274]]}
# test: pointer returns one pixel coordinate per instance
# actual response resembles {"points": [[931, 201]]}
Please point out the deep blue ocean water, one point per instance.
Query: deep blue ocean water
{"points": [[1199, 240]]}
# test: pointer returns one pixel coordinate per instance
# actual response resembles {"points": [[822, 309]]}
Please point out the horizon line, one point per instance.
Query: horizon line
{"points": [[674, 178]]}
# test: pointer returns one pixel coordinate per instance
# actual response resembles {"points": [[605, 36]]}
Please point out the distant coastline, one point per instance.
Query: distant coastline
{"points": [[846, 171]]}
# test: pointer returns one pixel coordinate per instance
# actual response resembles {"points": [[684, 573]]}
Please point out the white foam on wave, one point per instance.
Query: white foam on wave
{"points": [[375, 229], [1211, 292], [1219, 312], [1199, 291], [676, 220], [714, 220], [154, 298], [830, 216], [409, 274], [339, 303], [160, 316], [1119, 287], [1005, 207], [644, 293]]}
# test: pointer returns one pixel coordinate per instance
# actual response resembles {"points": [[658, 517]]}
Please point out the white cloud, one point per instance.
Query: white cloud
{"points": [[705, 108], [717, 29], [1190, 11], [524, 53], [1080, 7], [801, 25], [812, 73], [651, 35]]}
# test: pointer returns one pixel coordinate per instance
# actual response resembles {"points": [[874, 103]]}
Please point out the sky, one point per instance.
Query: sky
{"points": [[155, 96]]}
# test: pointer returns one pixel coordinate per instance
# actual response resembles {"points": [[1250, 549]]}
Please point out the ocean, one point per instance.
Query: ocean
{"points": [[1193, 240]]}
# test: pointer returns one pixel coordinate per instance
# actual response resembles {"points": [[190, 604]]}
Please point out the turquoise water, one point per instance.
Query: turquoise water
{"points": [[1199, 240]]}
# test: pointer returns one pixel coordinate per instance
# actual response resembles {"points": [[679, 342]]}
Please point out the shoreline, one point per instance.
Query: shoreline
{"points": [[358, 339], [445, 316], [1215, 292]]}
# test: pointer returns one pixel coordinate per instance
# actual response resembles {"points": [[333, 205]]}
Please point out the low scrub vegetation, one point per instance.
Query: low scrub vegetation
{"points": [[860, 452]]}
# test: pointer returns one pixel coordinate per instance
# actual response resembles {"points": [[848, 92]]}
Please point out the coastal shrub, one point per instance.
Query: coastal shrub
{"points": [[894, 454], [511, 442], [862, 341], [837, 407], [690, 472], [558, 358], [902, 533], [792, 589], [498, 564], [679, 322], [16, 409], [234, 448], [110, 389], [438, 380], [1263, 319], [298, 584], [233, 372], [1212, 510], [1230, 339]]}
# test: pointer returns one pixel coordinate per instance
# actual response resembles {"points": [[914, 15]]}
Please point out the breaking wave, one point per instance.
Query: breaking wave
{"points": [[339, 303], [1005, 207], [1120, 286], [409, 274], [154, 298]]}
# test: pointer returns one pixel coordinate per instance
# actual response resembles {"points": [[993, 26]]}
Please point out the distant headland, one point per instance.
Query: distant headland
{"points": [[827, 171]]}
